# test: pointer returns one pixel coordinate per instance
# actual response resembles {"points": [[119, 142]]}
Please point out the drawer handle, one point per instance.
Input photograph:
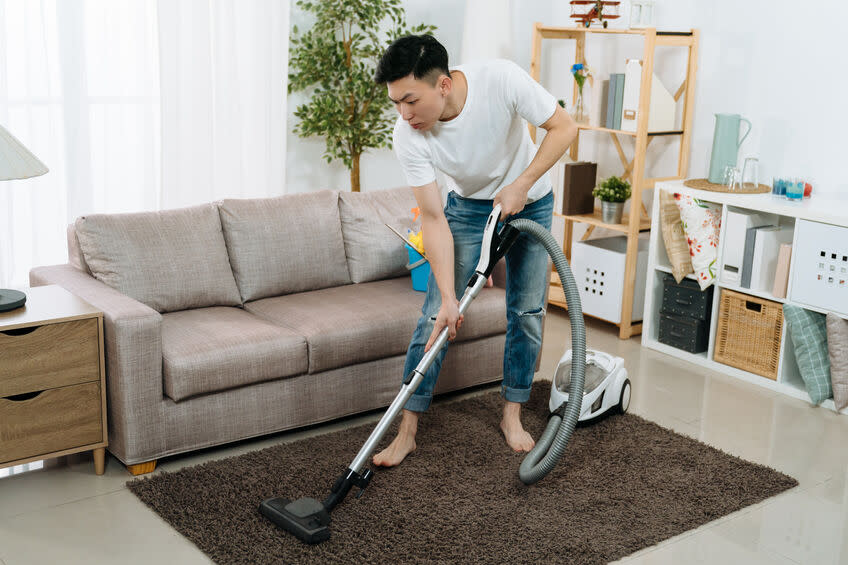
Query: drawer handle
{"points": [[20, 331], [683, 302], [23, 397], [675, 334]]}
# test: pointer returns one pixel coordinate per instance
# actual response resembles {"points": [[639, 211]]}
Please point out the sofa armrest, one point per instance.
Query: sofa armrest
{"points": [[133, 352]]}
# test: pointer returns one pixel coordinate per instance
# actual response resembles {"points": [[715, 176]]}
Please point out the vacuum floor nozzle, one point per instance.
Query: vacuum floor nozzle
{"points": [[305, 518]]}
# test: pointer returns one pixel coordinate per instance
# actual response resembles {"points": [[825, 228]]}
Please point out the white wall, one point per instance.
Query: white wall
{"points": [[764, 59]]}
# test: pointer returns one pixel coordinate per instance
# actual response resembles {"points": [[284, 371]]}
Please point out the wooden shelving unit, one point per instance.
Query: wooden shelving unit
{"points": [[634, 169]]}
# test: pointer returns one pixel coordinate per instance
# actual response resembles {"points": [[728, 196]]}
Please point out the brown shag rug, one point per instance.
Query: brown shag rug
{"points": [[622, 485]]}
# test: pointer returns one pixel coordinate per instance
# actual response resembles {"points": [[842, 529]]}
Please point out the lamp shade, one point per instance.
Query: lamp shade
{"points": [[16, 161]]}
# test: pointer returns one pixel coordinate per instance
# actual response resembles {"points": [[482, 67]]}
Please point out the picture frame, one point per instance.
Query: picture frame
{"points": [[642, 14]]}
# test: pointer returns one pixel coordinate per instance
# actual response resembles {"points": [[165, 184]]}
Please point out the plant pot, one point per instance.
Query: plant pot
{"points": [[611, 212]]}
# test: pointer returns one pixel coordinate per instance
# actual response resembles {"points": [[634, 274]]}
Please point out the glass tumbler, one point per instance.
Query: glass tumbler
{"points": [[750, 174], [795, 188]]}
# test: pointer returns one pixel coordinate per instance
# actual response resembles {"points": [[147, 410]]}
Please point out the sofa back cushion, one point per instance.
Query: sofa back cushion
{"points": [[285, 244], [75, 255], [169, 260], [373, 251]]}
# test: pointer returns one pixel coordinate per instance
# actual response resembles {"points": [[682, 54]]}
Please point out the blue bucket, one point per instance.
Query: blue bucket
{"points": [[420, 268]]}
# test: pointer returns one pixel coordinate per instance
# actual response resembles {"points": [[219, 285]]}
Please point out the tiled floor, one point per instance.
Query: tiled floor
{"points": [[63, 513]]}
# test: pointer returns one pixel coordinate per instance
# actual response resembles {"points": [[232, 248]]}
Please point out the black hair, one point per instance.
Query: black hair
{"points": [[416, 55]]}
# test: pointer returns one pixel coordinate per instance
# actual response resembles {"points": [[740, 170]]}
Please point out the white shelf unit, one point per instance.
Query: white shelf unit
{"points": [[827, 209]]}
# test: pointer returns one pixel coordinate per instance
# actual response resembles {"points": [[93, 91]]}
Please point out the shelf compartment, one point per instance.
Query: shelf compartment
{"points": [[596, 219], [584, 127]]}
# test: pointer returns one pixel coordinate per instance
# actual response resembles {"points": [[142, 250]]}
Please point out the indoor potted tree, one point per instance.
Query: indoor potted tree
{"points": [[335, 60], [613, 193]]}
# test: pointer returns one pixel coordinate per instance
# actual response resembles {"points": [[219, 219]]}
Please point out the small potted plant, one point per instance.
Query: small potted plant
{"points": [[613, 193]]}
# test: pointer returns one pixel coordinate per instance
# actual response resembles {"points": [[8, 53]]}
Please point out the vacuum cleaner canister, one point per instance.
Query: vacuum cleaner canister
{"points": [[606, 389]]}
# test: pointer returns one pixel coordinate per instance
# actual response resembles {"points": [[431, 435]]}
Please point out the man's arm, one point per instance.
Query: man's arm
{"points": [[561, 132], [438, 243]]}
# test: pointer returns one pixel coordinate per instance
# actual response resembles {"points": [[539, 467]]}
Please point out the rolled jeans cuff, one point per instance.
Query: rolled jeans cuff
{"points": [[511, 394], [418, 402]]}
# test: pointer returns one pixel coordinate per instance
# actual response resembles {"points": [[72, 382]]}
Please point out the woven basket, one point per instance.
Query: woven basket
{"points": [[748, 333]]}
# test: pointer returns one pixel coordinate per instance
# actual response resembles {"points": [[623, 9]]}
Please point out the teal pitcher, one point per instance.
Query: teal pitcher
{"points": [[726, 144]]}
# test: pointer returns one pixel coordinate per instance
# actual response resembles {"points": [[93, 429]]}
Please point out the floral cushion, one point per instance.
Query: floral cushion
{"points": [[701, 224]]}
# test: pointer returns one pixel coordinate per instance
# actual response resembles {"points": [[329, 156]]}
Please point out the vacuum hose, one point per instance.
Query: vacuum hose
{"points": [[544, 456]]}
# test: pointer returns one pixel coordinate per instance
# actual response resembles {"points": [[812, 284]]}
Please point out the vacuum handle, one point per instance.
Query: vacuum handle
{"points": [[495, 244]]}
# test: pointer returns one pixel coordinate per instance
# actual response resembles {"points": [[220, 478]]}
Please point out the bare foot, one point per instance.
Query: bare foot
{"points": [[402, 445], [516, 437]]}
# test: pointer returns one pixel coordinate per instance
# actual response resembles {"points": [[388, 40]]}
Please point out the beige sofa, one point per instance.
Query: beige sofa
{"points": [[246, 317]]}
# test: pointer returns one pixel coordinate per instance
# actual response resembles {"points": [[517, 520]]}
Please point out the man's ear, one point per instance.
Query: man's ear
{"points": [[445, 85]]}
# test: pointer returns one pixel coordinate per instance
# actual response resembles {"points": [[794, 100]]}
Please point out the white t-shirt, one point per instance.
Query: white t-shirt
{"points": [[487, 146]]}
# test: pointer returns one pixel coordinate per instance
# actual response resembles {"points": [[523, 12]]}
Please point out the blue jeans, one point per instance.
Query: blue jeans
{"points": [[526, 280]]}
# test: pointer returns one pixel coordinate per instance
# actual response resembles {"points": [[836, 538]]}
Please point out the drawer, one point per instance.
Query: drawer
{"points": [[49, 356], [53, 420], [686, 298], [684, 333]]}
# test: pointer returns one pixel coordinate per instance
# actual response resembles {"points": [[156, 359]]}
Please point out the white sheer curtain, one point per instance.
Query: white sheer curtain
{"points": [[136, 105]]}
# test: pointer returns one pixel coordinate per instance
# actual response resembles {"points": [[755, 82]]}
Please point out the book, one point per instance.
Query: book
{"points": [[748, 257], [610, 120], [781, 272], [619, 98], [598, 111], [764, 260], [579, 180]]}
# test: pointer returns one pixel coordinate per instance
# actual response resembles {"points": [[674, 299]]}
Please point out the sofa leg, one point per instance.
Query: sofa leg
{"points": [[142, 468]]}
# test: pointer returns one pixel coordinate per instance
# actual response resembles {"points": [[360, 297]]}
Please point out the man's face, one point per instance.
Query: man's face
{"points": [[418, 101]]}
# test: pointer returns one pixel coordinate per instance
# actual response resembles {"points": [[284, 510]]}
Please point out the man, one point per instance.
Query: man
{"points": [[469, 124]]}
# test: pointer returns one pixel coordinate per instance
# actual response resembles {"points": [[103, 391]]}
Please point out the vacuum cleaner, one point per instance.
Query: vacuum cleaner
{"points": [[606, 386], [309, 519]]}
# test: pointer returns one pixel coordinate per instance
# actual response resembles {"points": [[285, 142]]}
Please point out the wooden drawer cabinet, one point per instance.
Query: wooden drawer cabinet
{"points": [[52, 379]]}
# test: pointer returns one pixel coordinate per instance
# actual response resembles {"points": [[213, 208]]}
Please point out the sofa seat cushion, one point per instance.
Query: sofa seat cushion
{"points": [[285, 244], [211, 349], [169, 260], [366, 321]]}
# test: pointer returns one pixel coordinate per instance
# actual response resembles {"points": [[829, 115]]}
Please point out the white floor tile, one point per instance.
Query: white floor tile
{"points": [[60, 481], [705, 548], [795, 525], [110, 528]]}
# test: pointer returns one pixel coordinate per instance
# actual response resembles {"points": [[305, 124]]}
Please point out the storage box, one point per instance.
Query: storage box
{"points": [[686, 299], [683, 332], [820, 267], [598, 266], [748, 333]]}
